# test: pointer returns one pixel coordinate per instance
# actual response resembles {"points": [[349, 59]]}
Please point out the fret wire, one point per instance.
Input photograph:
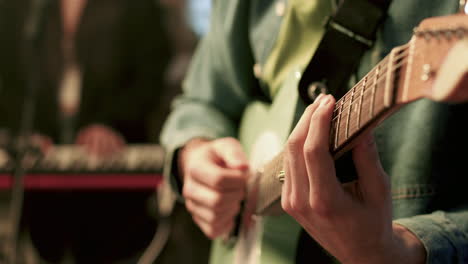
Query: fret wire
{"points": [[374, 88], [401, 55], [339, 102], [346, 108], [360, 103], [334, 138], [357, 86], [349, 115], [382, 65], [338, 127], [388, 82], [335, 145], [382, 78]]}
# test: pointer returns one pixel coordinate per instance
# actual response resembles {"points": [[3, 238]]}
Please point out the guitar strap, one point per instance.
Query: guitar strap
{"points": [[349, 32]]}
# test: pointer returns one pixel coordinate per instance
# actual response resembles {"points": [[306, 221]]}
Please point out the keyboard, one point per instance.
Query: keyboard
{"points": [[71, 167]]}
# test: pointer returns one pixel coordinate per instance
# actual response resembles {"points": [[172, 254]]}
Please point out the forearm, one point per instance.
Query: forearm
{"points": [[216, 90]]}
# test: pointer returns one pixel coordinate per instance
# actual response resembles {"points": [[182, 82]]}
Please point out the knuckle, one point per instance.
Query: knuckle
{"points": [[317, 117], [321, 209], [294, 145], [226, 142], [211, 217], [311, 150], [229, 140], [187, 190], [298, 206], [219, 181], [192, 170], [217, 201], [309, 108]]}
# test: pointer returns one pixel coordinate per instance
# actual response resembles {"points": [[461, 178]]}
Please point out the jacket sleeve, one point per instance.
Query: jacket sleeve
{"points": [[421, 149], [443, 233], [218, 85]]}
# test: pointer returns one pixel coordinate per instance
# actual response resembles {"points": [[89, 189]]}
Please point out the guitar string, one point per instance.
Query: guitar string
{"points": [[381, 69], [400, 60], [372, 73], [334, 139], [342, 106], [404, 50], [397, 66]]}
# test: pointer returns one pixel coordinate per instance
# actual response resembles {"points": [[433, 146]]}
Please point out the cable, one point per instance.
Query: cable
{"points": [[165, 205], [21, 144]]}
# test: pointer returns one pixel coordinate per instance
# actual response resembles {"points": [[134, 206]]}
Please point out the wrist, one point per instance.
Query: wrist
{"points": [[402, 247], [184, 153], [409, 248]]}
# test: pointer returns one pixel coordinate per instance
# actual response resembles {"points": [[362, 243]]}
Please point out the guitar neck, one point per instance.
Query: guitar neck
{"points": [[366, 104], [408, 73], [361, 109]]}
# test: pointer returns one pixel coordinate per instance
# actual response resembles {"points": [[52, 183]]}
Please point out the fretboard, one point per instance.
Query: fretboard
{"points": [[432, 65], [361, 108], [363, 104]]}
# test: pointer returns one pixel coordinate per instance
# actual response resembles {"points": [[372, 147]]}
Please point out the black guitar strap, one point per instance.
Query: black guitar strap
{"points": [[349, 32]]}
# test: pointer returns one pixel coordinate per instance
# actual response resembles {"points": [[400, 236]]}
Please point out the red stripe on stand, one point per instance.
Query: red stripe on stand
{"points": [[86, 181]]}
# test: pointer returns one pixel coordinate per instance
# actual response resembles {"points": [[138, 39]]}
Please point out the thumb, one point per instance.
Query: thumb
{"points": [[230, 151], [373, 180]]}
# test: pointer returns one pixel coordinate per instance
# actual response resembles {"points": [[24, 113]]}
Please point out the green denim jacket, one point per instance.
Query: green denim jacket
{"points": [[420, 146]]}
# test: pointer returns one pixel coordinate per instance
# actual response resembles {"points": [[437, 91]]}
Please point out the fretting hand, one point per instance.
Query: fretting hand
{"points": [[353, 221]]}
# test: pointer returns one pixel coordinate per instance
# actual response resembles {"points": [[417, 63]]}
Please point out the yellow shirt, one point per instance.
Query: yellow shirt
{"points": [[298, 39]]}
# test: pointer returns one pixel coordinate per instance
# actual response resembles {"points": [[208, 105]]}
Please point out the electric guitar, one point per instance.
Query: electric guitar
{"points": [[433, 64]]}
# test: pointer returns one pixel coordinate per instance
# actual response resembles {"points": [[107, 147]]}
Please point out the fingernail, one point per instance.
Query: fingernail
{"points": [[325, 101], [318, 98]]}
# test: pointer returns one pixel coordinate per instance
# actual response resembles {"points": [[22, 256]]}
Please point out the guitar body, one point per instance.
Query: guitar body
{"points": [[264, 130]]}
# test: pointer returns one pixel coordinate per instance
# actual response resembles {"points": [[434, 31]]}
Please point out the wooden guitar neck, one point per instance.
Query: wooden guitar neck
{"points": [[410, 72]]}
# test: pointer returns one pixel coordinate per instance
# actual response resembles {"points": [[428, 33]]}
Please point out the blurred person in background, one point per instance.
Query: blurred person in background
{"points": [[101, 76]]}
